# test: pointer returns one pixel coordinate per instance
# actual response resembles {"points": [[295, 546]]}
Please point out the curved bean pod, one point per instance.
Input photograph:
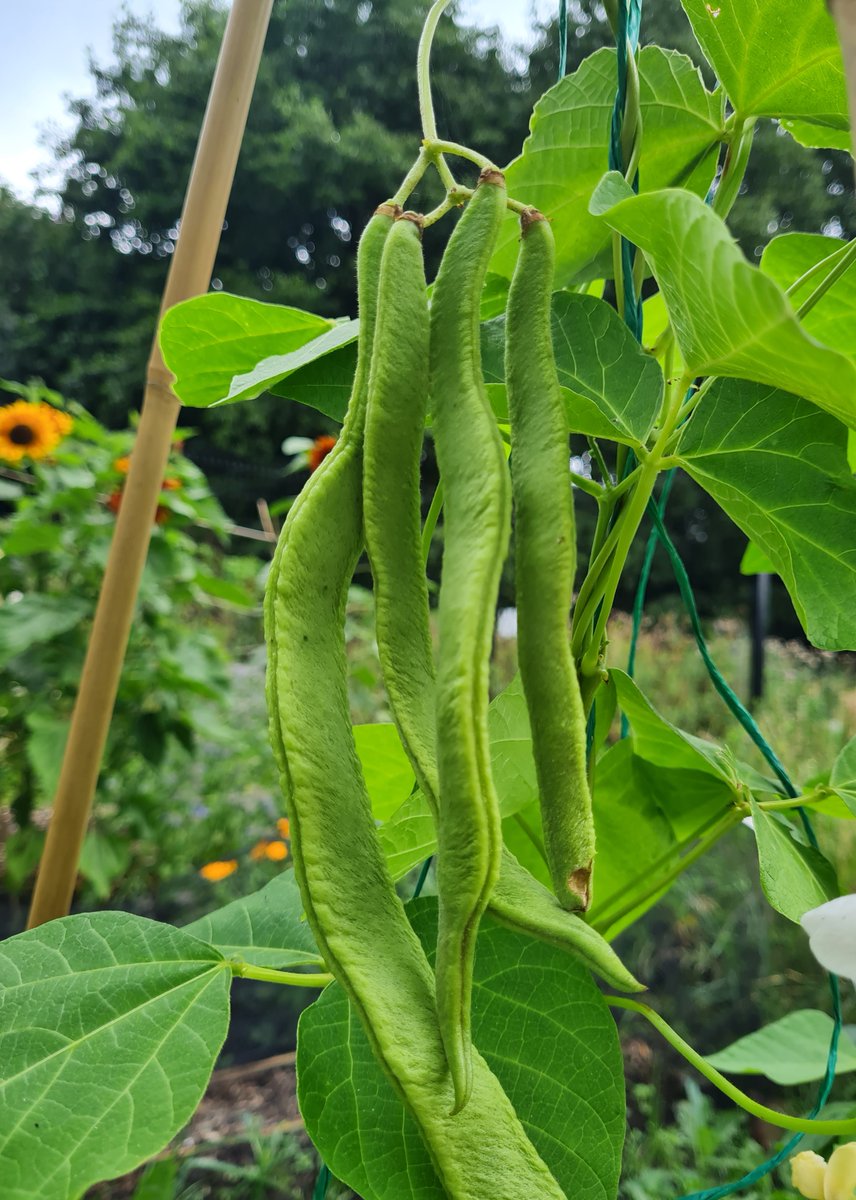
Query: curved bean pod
{"points": [[476, 527], [545, 564], [350, 901], [395, 419]]}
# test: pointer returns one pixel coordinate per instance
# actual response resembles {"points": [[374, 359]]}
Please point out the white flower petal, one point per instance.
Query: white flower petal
{"points": [[832, 935]]}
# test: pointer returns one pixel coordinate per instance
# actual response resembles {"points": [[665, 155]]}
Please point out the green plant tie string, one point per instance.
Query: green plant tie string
{"points": [[563, 38], [626, 44], [321, 1183]]}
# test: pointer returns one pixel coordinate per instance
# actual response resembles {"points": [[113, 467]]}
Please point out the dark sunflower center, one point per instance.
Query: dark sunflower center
{"points": [[22, 435]]}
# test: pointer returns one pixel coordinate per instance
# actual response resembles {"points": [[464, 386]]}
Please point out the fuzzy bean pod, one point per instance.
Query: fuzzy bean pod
{"points": [[349, 898], [545, 564], [395, 419], [476, 528]]}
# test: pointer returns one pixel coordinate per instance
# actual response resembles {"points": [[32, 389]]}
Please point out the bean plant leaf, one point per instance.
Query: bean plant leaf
{"points": [[832, 320], [756, 561], [562, 159], [266, 929], [729, 317], [779, 469], [632, 834], [111, 1025], [611, 388], [789, 1051], [545, 1031], [819, 137], [37, 618], [324, 383], [843, 775], [773, 59], [795, 877], [386, 767], [222, 348], [660, 742]]}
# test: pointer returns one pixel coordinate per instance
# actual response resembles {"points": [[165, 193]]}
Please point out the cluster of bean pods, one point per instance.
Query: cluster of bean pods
{"points": [[366, 494]]}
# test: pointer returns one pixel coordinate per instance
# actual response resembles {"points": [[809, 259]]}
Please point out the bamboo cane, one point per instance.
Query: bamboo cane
{"points": [[189, 275]]}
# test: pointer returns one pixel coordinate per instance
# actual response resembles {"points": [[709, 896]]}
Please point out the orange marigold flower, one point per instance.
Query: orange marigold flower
{"points": [[121, 464], [215, 871], [283, 827], [171, 484], [276, 851], [114, 503], [27, 431], [259, 851], [321, 447]]}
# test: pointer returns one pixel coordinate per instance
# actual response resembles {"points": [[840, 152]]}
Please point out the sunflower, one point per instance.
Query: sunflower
{"points": [[27, 431], [62, 420]]}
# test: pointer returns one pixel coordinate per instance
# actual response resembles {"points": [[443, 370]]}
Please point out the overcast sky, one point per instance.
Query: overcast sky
{"points": [[46, 44]]}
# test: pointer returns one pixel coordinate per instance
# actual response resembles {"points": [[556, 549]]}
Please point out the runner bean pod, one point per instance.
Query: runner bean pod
{"points": [[545, 564], [395, 418], [349, 898], [476, 529]]}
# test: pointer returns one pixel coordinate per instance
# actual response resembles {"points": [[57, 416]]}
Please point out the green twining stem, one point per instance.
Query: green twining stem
{"points": [[412, 177], [734, 168], [268, 975], [819, 268], [423, 82], [780, 1120], [844, 259]]}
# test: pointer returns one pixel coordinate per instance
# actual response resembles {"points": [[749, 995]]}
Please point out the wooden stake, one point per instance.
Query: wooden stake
{"points": [[189, 275]]}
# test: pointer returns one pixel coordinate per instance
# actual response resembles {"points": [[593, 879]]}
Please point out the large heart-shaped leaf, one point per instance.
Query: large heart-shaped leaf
{"points": [[266, 929], [774, 59], [789, 1051], [660, 742], [546, 1033], [564, 155], [729, 318], [324, 383], [222, 348], [795, 877], [611, 388], [833, 319], [632, 834], [779, 469], [111, 1025]]}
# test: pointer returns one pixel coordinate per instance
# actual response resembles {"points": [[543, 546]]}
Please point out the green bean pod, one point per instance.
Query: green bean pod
{"points": [[476, 528], [395, 419], [395, 422], [350, 900], [545, 564]]}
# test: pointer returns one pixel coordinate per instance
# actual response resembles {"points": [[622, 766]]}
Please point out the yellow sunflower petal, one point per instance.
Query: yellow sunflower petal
{"points": [[26, 431]]}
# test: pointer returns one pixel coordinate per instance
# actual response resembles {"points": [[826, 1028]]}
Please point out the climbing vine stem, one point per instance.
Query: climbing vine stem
{"points": [[781, 1120]]}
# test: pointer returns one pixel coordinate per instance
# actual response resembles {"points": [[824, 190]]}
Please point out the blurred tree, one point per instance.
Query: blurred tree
{"points": [[333, 125]]}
